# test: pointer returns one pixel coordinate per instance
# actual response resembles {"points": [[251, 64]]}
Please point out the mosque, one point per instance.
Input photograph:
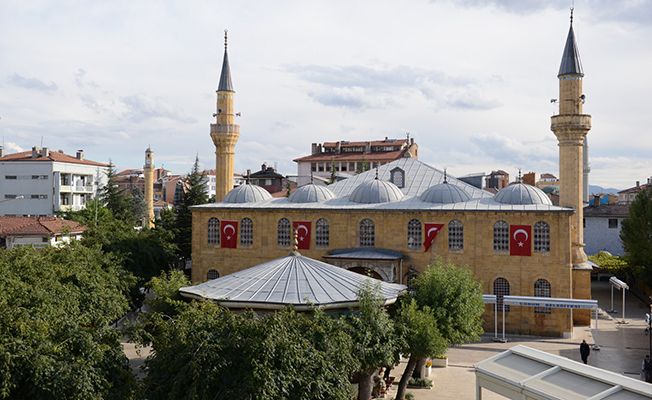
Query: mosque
{"points": [[391, 222]]}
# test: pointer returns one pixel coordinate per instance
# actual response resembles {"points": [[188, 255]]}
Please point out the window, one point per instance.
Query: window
{"points": [[212, 274], [213, 228], [583, 222], [501, 236], [10, 196], [343, 167], [246, 232], [501, 289], [283, 232], [352, 166], [367, 233], [321, 167], [613, 223], [542, 289], [414, 234], [313, 167], [411, 275], [322, 233], [10, 177], [455, 235], [397, 177], [541, 237]]}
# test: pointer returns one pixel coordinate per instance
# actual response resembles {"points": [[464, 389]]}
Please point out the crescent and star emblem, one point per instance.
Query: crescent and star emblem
{"points": [[301, 237], [520, 244], [430, 230], [228, 237]]}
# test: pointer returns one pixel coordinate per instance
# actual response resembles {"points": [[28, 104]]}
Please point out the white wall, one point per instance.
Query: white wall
{"points": [[598, 236]]}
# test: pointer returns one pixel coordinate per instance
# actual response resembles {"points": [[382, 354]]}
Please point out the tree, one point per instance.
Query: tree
{"points": [[455, 297], [194, 194], [363, 166], [56, 341], [137, 204], [615, 265], [373, 334], [421, 338], [113, 197], [333, 177], [636, 235], [204, 351]]}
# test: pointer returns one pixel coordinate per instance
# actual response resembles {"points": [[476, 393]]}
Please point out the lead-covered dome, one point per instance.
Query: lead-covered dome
{"points": [[521, 193], [445, 193], [376, 191], [311, 193], [247, 194]]}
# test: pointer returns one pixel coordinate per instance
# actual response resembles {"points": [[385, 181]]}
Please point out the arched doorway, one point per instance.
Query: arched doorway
{"points": [[367, 272]]}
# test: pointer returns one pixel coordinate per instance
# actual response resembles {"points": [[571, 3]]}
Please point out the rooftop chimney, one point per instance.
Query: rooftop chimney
{"points": [[367, 147], [638, 183], [314, 148], [2, 151], [80, 154], [46, 152], [596, 200], [35, 152]]}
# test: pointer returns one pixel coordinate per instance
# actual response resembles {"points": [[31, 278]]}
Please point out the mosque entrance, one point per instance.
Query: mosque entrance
{"points": [[381, 264]]}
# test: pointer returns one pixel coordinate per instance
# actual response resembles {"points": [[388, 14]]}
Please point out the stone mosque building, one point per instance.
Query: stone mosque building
{"points": [[393, 221]]}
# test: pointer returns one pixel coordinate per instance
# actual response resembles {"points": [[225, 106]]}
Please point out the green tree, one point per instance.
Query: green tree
{"points": [[455, 297], [636, 235], [56, 341], [113, 197], [615, 265], [333, 177], [204, 351], [421, 338], [374, 337], [137, 204], [195, 193], [363, 166]]}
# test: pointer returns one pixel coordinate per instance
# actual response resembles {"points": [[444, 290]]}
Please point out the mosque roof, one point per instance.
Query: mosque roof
{"points": [[417, 177], [445, 193], [247, 194], [294, 279], [520, 193], [311, 193], [376, 191], [570, 60]]}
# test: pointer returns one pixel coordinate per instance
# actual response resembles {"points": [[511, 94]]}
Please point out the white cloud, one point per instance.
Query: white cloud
{"points": [[140, 107], [32, 83]]}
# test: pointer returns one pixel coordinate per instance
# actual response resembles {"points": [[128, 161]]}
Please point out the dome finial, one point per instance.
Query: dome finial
{"points": [[519, 180], [571, 18], [376, 172], [226, 32], [445, 177], [311, 178], [295, 243]]}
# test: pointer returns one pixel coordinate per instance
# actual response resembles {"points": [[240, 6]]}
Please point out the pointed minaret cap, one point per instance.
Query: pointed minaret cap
{"points": [[570, 60], [225, 78]]}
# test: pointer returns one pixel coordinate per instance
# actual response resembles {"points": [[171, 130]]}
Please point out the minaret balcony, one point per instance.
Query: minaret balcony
{"points": [[571, 121], [225, 129]]}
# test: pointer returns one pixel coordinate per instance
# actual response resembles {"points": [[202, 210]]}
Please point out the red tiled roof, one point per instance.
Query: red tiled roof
{"points": [[358, 156], [14, 226], [393, 142], [54, 156], [548, 176]]}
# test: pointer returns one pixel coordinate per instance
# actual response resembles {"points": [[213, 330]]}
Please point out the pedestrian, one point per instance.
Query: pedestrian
{"points": [[646, 368], [585, 350]]}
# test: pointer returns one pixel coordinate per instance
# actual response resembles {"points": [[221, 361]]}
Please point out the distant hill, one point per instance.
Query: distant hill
{"points": [[593, 189]]}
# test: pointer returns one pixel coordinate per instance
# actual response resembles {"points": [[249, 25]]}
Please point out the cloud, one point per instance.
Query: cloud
{"points": [[466, 97], [348, 97], [140, 108], [80, 81], [281, 125], [516, 152], [11, 147], [32, 83]]}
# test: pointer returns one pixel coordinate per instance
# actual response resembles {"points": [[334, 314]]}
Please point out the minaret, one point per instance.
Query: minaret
{"points": [[571, 126], [224, 132], [587, 170], [148, 170]]}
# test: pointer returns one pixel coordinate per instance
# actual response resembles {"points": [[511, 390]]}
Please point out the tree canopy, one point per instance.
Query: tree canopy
{"points": [[195, 193], [636, 235], [55, 339]]}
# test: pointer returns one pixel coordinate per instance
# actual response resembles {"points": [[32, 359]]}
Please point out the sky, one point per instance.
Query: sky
{"points": [[470, 80]]}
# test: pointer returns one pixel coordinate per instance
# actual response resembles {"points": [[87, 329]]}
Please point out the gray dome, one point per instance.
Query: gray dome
{"points": [[247, 194], [521, 193], [376, 191], [551, 189], [445, 193], [311, 193]]}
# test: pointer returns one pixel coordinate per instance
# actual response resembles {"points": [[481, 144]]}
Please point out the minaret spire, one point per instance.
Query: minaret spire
{"points": [[225, 78]]}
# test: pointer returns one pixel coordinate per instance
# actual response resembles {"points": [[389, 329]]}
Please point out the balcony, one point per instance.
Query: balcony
{"points": [[571, 121], [82, 189]]}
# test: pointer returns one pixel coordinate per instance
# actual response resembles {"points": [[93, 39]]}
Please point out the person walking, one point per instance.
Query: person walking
{"points": [[585, 350], [647, 369]]}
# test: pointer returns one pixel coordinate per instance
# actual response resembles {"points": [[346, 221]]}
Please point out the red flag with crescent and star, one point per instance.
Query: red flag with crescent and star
{"points": [[303, 234], [520, 240], [229, 234], [431, 232]]}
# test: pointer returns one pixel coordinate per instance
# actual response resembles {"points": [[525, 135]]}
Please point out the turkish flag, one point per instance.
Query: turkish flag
{"points": [[520, 240], [431, 232], [303, 234], [229, 234]]}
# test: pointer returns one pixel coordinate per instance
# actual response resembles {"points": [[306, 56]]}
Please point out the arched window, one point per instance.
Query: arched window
{"points": [[501, 289], [455, 235], [542, 289], [284, 232], [246, 232], [501, 236], [212, 274], [213, 231], [322, 233], [541, 237], [367, 233], [397, 177], [414, 234]]}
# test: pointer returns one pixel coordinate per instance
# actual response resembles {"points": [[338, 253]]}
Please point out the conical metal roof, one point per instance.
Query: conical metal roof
{"points": [[294, 279], [570, 60], [225, 78]]}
